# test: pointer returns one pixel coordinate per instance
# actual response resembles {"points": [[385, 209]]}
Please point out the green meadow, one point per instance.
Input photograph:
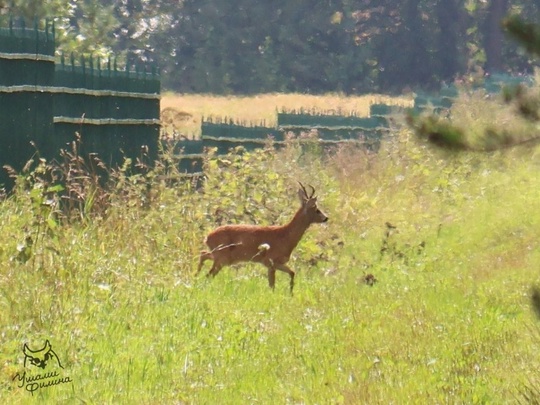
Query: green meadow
{"points": [[417, 290]]}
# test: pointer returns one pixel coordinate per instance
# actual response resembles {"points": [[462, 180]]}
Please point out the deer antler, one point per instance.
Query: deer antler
{"points": [[312, 191], [305, 192]]}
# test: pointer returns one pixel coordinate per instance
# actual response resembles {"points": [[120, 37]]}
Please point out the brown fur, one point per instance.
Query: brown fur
{"points": [[270, 245]]}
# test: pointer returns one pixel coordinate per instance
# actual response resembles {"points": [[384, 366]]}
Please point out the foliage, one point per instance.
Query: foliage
{"points": [[513, 124], [307, 46], [514, 119], [81, 26], [527, 34]]}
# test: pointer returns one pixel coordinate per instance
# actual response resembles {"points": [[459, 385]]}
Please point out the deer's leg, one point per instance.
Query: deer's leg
{"points": [[271, 277], [215, 269], [287, 269], [271, 272], [204, 257]]}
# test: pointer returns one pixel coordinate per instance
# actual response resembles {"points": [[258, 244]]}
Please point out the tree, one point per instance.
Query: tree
{"points": [[493, 50], [90, 29], [442, 132], [414, 43], [250, 46], [246, 46], [83, 26], [139, 24], [493, 36], [449, 39], [31, 9]]}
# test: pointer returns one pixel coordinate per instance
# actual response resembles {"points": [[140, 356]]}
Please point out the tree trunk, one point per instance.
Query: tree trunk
{"points": [[448, 17], [493, 35]]}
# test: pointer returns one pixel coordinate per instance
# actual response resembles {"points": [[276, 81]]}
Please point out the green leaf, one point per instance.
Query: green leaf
{"points": [[51, 223], [56, 189]]}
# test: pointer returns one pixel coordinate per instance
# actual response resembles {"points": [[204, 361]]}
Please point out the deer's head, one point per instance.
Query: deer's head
{"points": [[309, 206]]}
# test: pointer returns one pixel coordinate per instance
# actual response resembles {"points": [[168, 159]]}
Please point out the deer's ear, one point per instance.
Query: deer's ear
{"points": [[302, 195]]}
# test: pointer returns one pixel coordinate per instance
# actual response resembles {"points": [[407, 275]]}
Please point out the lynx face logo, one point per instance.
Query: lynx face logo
{"points": [[40, 358], [33, 379]]}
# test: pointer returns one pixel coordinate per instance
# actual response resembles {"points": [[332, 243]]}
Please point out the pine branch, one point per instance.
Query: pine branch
{"points": [[528, 34], [438, 132], [527, 103], [445, 135]]}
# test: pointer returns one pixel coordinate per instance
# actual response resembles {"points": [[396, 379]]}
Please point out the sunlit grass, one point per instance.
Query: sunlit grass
{"points": [[447, 321], [183, 112]]}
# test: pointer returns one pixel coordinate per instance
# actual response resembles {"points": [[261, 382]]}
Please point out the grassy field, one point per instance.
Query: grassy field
{"points": [[451, 240]]}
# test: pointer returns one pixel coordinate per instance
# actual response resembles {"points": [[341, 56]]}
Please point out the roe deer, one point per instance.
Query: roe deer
{"points": [[270, 245]]}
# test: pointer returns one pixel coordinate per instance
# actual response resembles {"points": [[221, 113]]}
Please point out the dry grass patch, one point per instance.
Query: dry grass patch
{"points": [[183, 112]]}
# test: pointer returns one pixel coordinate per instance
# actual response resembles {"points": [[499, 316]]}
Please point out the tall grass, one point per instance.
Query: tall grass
{"points": [[451, 241]]}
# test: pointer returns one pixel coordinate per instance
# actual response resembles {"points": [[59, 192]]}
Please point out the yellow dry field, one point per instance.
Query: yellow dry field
{"points": [[181, 114]]}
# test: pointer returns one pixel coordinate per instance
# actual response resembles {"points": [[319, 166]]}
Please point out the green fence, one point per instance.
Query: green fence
{"points": [[190, 155], [225, 135], [491, 84], [43, 103], [115, 111], [300, 120], [333, 129], [326, 130]]}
